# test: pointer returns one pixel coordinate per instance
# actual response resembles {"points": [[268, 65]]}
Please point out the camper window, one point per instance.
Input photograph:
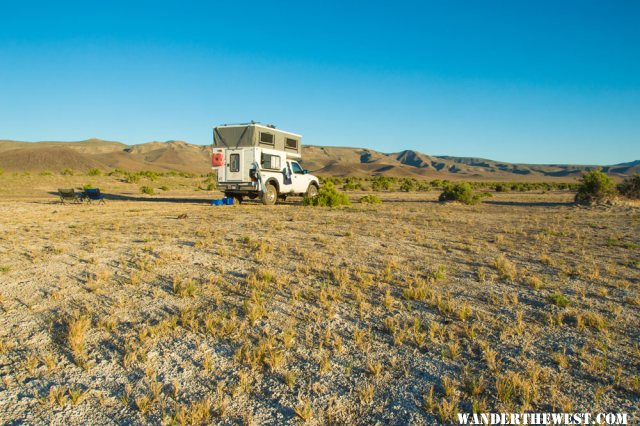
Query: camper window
{"points": [[291, 143], [266, 138], [234, 163], [270, 162]]}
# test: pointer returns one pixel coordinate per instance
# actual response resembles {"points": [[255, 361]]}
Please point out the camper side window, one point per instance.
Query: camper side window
{"points": [[270, 162], [266, 138], [291, 143], [234, 163]]}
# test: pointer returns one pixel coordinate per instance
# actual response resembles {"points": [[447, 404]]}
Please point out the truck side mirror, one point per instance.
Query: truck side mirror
{"points": [[305, 171]]}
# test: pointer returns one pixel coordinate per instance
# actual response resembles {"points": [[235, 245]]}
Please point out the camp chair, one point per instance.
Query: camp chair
{"points": [[93, 194], [68, 195]]}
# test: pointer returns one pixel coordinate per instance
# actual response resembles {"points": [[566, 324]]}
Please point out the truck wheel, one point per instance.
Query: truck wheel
{"points": [[312, 191], [270, 195]]}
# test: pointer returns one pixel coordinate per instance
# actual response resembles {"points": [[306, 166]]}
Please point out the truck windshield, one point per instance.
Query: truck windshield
{"points": [[296, 168]]}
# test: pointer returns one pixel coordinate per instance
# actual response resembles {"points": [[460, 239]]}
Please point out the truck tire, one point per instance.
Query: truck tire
{"points": [[312, 191], [270, 195]]}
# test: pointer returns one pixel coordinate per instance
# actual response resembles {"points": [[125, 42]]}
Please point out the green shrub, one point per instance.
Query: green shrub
{"points": [[459, 192], [559, 299], [132, 178], [439, 183], [328, 196], [147, 190], [94, 172], [149, 174], [117, 172], [424, 186], [352, 184], [594, 186], [630, 188], [331, 179], [381, 183], [409, 185], [45, 173], [67, 172], [501, 187], [164, 188], [88, 186], [210, 182], [370, 199]]}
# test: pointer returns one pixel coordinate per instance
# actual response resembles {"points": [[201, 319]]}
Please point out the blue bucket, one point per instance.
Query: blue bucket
{"points": [[228, 201], [216, 202]]}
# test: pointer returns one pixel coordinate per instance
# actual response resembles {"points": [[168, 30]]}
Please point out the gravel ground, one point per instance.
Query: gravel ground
{"points": [[401, 313]]}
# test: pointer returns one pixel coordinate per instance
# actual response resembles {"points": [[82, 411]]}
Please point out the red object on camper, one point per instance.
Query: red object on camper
{"points": [[217, 159]]}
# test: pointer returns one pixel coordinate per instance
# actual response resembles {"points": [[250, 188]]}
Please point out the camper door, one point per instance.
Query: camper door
{"points": [[234, 165]]}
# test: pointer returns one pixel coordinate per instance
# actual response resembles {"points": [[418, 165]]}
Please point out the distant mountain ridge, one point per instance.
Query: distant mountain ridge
{"points": [[323, 160]]}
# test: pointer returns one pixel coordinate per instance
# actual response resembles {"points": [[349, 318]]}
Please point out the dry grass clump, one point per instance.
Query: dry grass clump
{"points": [[303, 410], [76, 336], [184, 287], [505, 268]]}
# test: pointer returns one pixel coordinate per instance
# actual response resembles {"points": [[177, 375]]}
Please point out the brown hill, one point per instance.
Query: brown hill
{"points": [[322, 160], [160, 156], [89, 146], [344, 161], [84, 155], [41, 158]]}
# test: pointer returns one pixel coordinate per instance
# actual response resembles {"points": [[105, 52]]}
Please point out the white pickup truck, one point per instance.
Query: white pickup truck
{"points": [[258, 166]]}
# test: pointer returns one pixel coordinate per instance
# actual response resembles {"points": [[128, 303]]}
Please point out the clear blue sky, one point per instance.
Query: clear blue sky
{"points": [[523, 81]]}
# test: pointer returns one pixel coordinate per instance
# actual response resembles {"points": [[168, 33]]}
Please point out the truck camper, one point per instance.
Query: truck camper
{"points": [[259, 161]]}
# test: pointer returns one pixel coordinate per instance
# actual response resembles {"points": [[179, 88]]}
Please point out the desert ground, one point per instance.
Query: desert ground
{"points": [[163, 309]]}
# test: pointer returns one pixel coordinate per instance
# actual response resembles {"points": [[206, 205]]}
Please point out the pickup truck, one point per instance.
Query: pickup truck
{"points": [[267, 174]]}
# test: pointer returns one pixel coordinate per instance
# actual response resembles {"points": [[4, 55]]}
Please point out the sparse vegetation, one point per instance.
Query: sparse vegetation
{"points": [[164, 313], [559, 299], [370, 199], [328, 196], [595, 186], [630, 187], [461, 192], [76, 335], [382, 183], [147, 190]]}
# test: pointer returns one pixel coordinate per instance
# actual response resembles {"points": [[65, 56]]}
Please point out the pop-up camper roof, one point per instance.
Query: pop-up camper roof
{"points": [[257, 135]]}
